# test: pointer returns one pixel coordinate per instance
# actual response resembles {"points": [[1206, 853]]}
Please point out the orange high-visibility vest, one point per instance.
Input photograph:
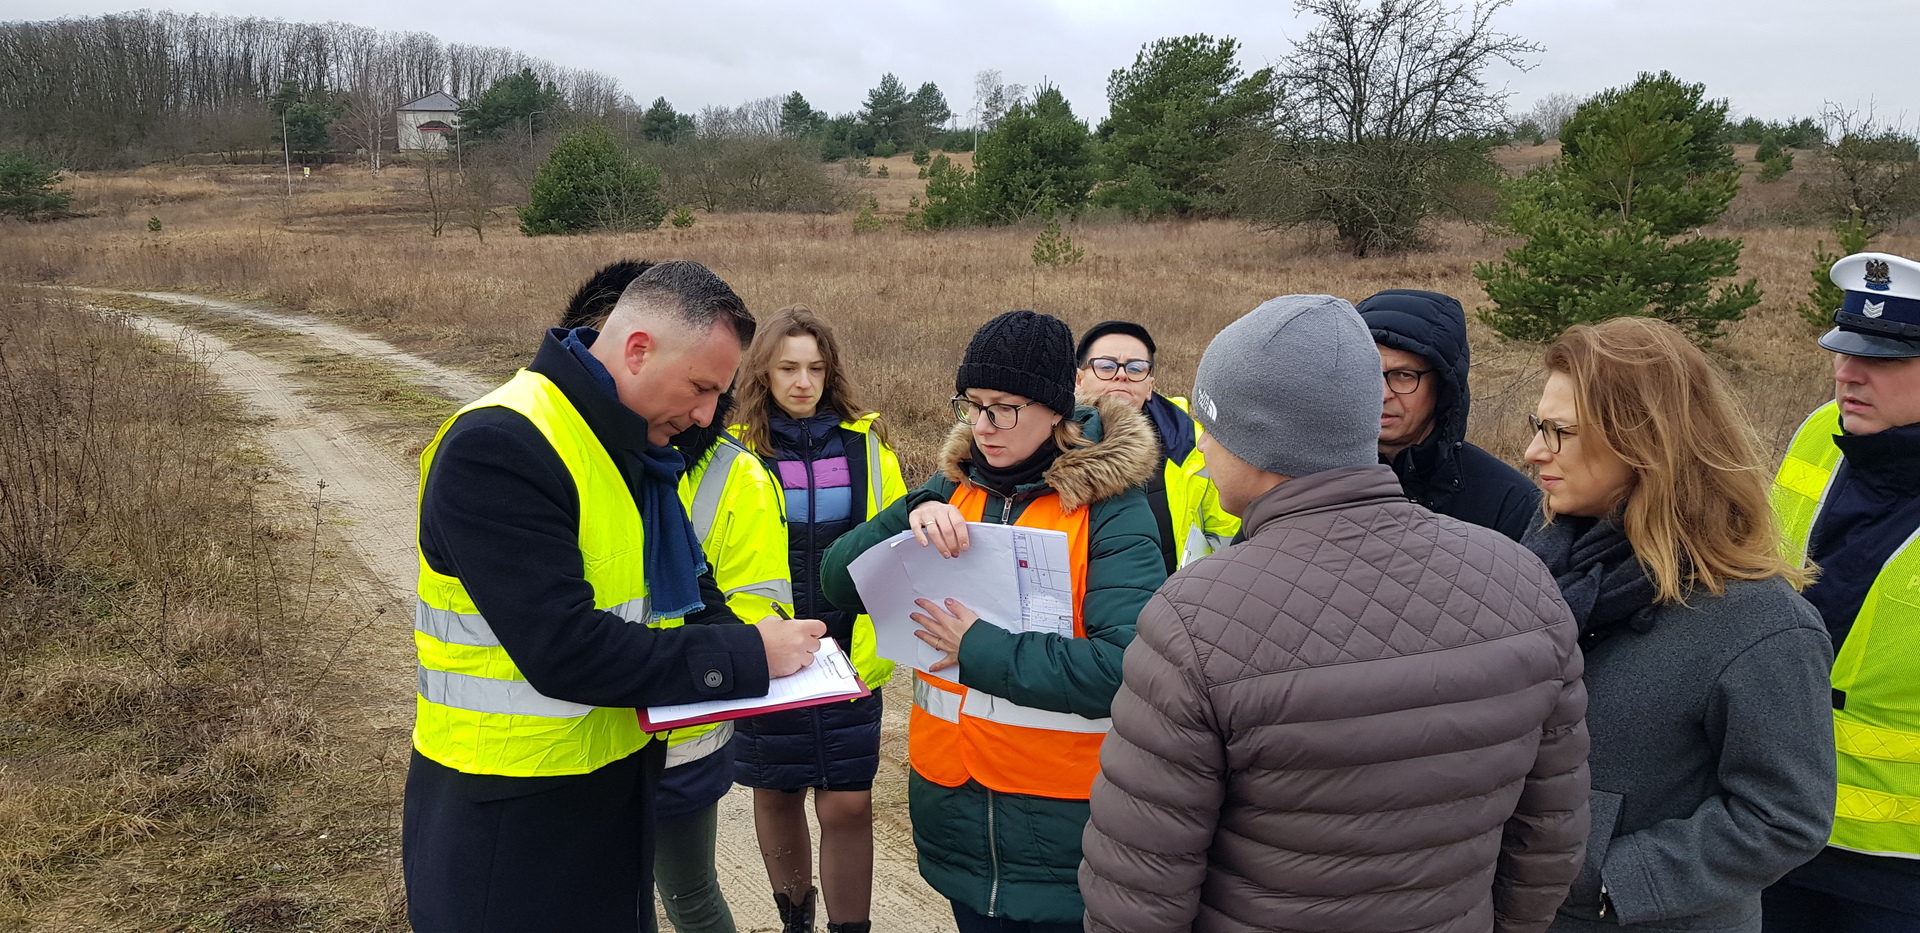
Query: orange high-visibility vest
{"points": [[958, 733]]}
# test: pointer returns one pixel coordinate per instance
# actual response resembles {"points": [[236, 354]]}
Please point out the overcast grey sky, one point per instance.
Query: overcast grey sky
{"points": [[1771, 58]]}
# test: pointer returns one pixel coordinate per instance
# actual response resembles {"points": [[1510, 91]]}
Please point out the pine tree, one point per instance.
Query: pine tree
{"points": [[797, 116], [1610, 227], [27, 188], [1825, 297], [587, 183], [1177, 115]]}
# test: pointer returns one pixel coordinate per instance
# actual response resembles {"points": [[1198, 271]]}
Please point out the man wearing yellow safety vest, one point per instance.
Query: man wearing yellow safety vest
{"points": [[1115, 360], [552, 538], [1848, 496]]}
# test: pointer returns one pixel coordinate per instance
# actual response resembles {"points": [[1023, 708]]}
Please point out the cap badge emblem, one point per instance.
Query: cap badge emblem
{"points": [[1206, 404], [1879, 277], [1873, 308]]}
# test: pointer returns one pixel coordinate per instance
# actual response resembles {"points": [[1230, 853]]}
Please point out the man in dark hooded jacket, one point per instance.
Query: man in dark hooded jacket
{"points": [[1422, 338]]}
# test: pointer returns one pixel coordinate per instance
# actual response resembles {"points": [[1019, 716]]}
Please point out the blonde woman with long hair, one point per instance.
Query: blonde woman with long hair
{"points": [[1706, 671]]}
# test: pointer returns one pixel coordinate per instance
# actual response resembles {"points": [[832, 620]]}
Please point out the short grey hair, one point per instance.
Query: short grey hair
{"points": [[691, 294]]}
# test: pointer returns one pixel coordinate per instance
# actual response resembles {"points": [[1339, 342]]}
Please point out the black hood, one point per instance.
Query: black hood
{"points": [[1435, 327], [595, 300]]}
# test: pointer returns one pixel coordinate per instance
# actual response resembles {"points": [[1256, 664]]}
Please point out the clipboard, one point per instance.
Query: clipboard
{"points": [[829, 679]]}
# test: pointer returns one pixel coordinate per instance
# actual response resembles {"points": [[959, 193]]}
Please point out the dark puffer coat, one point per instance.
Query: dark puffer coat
{"points": [[1363, 717], [837, 746], [1444, 472]]}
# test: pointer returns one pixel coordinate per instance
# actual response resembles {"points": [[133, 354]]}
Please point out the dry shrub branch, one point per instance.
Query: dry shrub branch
{"points": [[149, 721]]}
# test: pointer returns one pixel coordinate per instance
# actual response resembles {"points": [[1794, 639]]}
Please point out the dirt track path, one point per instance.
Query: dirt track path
{"points": [[370, 486]]}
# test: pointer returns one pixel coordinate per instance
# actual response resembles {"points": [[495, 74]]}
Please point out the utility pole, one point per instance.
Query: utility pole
{"points": [[286, 153]]}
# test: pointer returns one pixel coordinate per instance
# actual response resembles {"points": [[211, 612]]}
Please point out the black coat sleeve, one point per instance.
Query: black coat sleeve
{"points": [[500, 512]]}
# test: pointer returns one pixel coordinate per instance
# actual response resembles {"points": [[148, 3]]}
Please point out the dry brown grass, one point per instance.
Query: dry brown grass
{"points": [[155, 688], [150, 774], [906, 302]]}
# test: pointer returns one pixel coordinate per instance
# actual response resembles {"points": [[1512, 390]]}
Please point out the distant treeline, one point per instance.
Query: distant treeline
{"points": [[135, 87]]}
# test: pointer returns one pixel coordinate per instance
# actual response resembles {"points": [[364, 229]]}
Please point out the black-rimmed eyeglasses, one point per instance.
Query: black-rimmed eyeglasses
{"points": [[1108, 368], [1404, 381], [1000, 416], [1552, 433]]}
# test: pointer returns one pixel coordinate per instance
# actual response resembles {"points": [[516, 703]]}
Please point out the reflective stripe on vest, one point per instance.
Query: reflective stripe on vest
{"points": [[711, 492], [956, 733], [471, 628], [697, 744], [1877, 729], [876, 474], [474, 711], [780, 591]]}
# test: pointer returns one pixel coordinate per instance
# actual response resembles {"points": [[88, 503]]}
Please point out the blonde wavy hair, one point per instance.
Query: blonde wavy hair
{"points": [[1696, 510]]}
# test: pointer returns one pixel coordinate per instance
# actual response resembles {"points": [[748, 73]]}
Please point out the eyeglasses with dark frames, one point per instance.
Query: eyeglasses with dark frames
{"points": [[1108, 368], [1404, 381], [1552, 433], [968, 411]]}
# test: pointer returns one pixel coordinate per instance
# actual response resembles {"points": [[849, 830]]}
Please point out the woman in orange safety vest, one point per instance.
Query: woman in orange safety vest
{"points": [[1005, 730]]}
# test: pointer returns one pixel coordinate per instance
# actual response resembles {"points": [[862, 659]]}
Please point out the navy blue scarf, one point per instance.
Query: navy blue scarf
{"points": [[674, 561]]}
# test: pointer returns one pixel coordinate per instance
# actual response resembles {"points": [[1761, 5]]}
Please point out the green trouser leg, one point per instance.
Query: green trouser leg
{"points": [[683, 871]]}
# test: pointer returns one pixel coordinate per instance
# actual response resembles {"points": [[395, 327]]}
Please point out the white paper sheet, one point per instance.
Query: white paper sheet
{"points": [[830, 675], [1014, 577]]}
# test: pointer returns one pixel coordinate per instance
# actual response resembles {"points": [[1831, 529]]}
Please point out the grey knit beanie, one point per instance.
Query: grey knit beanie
{"points": [[1293, 387]]}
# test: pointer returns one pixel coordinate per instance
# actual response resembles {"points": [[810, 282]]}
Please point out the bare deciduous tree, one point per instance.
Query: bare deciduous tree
{"points": [[1552, 112], [438, 179], [1386, 113], [992, 98], [1869, 169], [122, 88]]}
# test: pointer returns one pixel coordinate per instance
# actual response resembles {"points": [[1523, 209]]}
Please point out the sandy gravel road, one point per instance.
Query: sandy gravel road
{"points": [[370, 490]]}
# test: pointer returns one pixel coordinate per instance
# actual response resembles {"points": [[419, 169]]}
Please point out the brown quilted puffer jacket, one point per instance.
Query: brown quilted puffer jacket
{"points": [[1365, 717]]}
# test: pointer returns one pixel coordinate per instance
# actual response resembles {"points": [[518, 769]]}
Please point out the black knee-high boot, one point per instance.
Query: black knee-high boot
{"points": [[796, 918]]}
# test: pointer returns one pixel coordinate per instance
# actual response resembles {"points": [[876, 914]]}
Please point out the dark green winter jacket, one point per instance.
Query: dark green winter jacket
{"points": [[1012, 855]]}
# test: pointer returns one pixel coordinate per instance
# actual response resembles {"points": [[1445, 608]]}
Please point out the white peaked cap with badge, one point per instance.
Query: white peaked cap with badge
{"points": [[1881, 314]]}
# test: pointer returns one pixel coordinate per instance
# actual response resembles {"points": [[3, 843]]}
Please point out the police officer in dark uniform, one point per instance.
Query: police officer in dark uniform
{"points": [[1848, 497]]}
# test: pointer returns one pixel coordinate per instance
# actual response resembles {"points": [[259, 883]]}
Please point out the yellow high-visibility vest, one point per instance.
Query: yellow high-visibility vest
{"points": [[1877, 729], [474, 711], [1200, 525], [736, 508]]}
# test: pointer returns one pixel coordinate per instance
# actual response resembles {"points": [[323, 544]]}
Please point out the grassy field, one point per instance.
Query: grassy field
{"points": [[167, 755], [357, 250]]}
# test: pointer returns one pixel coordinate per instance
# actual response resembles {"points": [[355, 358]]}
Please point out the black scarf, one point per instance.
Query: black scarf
{"points": [[1008, 479], [1599, 577]]}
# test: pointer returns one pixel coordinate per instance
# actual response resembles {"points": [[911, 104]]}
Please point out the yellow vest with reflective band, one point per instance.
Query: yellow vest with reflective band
{"points": [[1199, 523], [736, 510], [474, 711], [885, 483], [1877, 730]]}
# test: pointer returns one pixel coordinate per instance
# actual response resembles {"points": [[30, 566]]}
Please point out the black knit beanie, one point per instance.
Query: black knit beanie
{"points": [[1025, 353]]}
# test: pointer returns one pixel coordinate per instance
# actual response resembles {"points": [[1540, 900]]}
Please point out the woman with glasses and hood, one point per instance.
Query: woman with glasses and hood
{"points": [[1005, 747], [1422, 337]]}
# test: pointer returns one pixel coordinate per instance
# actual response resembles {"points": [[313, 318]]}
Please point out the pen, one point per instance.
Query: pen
{"points": [[781, 611]]}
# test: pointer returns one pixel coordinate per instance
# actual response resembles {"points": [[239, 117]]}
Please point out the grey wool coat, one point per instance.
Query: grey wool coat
{"points": [[1713, 762], [1364, 717]]}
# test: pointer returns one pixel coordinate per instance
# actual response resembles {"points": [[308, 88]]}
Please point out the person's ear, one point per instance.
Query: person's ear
{"points": [[640, 346]]}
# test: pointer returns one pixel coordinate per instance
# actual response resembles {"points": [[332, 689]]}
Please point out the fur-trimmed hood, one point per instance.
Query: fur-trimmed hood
{"points": [[1123, 452]]}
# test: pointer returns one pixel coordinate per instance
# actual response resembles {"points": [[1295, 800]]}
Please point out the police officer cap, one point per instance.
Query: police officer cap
{"points": [[1881, 316]]}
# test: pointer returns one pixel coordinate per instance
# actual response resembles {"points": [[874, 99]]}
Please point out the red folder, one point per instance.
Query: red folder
{"points": [[741, 709]]}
